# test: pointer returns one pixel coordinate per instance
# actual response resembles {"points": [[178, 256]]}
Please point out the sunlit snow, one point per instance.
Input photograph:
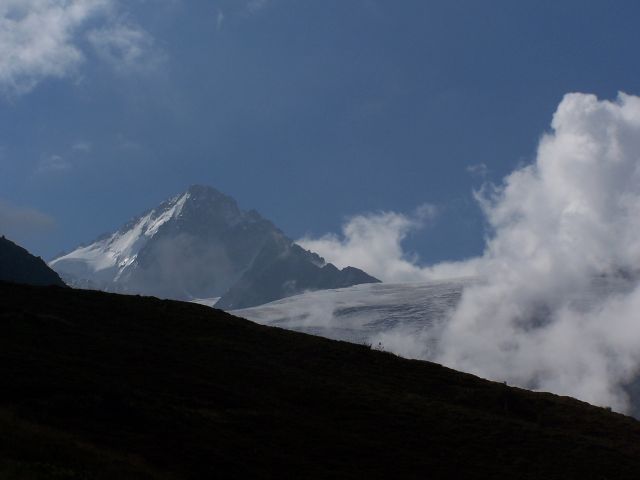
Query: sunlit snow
{"points": [[107, 259]]}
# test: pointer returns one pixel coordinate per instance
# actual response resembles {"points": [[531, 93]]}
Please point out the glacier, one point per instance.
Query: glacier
{"points": [[366, 313]]}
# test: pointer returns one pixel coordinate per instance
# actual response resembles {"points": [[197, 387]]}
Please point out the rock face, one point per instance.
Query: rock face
{"points": [[17, 265], [200, 244]]}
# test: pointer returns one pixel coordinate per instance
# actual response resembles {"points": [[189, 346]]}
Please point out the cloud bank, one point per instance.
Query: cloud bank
{"points": [[557, 304], [42, 39]]}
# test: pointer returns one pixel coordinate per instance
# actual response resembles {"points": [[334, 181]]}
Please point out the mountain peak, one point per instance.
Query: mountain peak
{"points": [[202, 201], [206, 192], [200, 244]]}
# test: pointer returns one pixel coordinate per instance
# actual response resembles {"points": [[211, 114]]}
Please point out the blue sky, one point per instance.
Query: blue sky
{"points": [[309, 112]]}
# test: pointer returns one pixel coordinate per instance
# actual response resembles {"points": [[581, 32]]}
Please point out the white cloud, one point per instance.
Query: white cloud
{"points": [[556, 303], [559, 225], [82, 147], [71, 158], [42, 39], [373, 242], [38, 40], [126, 47], [53, 163], [478, 170]]}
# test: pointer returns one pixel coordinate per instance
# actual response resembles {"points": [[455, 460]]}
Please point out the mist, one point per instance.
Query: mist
{"points": [[183, 266]]}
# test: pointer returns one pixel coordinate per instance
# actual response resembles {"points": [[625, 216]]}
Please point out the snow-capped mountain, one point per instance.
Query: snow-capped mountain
{"points": [[201, 245]]}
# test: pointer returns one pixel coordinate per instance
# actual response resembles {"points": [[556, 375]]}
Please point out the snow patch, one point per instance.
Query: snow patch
{"points": [[107, 259]]}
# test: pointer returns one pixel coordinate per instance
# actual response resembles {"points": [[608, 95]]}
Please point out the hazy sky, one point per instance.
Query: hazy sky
{"points": [[308, 111]]}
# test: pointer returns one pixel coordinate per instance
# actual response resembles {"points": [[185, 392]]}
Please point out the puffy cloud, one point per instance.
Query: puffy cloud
{"points": [[564, 232], [373, 242], [42, 39], [556, 301], [37, 40]]}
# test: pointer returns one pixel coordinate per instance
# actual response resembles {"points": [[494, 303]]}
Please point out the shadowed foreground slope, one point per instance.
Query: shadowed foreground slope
{"points": [[99, 385]]}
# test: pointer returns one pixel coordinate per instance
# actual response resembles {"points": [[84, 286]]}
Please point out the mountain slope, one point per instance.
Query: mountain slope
{"points": [[407, 318], [200, 244], [98, 385], [282, 269], [367, 313], [19, 266]]}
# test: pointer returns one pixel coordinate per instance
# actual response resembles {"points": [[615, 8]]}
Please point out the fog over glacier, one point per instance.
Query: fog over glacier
{"points": [[554, 303]]}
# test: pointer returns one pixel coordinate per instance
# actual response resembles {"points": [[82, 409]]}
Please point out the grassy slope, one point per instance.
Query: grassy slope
{"points": [[98, 385]]}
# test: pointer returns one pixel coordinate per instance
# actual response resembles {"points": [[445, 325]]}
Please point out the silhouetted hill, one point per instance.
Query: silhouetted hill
{"points": [[98, 385], [19, 266]]}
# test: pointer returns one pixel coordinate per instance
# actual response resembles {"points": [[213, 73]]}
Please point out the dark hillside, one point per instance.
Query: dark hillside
{"points": [[19, 266], [98, 385]]}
